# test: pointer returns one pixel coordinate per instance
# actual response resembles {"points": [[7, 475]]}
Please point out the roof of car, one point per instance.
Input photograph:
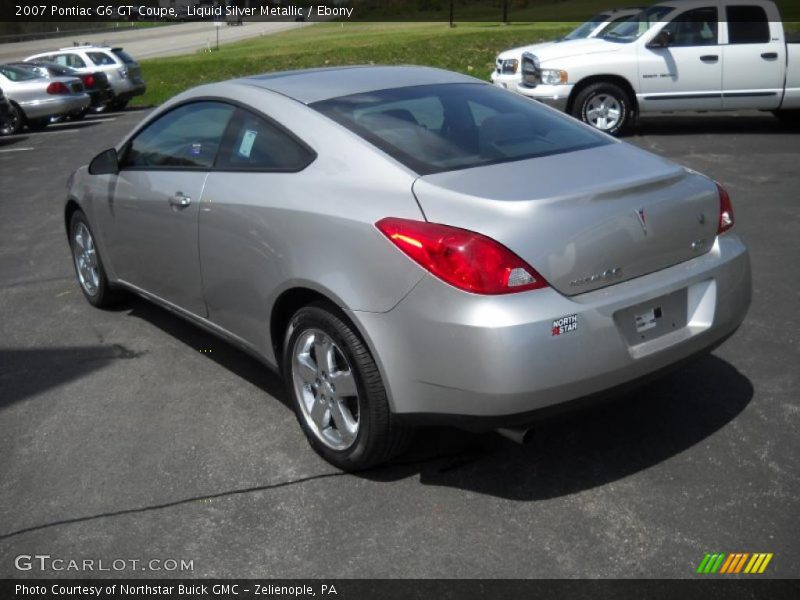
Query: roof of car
{"points": [[314, 85]]}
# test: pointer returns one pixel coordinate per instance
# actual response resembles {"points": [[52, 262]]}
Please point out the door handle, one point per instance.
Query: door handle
{"points": [[180, 200], [709, 58], [769, 55]]}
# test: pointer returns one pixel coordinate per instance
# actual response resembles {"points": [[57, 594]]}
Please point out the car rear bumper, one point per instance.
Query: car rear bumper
{"points": [[556, 96], [452, 355], [54, 106], [126, 89]]}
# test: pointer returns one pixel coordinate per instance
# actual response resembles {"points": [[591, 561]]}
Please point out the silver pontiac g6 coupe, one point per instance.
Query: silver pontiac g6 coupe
{"points": [[407, 245]]}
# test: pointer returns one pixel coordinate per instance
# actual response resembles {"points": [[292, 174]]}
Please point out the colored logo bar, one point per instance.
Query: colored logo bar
{"points": [[737, 562]]}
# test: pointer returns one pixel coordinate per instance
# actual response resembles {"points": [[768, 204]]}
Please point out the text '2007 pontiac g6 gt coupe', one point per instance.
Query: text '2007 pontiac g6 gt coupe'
{"points": [[407, 245]]}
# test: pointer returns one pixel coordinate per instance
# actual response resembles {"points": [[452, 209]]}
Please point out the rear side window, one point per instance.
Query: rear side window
{"points": [[17, 74], [123, 56], [101, 58], [69, 60], [186, 137], [253, 143], [747, 25], [435, 128]]}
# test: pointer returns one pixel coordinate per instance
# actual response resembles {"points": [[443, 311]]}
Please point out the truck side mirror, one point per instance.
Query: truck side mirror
{"points": [[662, 40]]}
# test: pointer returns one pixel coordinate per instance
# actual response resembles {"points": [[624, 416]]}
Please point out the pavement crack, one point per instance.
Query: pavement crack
{"points": [[225, 494]]}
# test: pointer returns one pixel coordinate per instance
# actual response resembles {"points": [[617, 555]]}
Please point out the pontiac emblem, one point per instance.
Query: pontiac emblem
{"points": [[640, 215]]}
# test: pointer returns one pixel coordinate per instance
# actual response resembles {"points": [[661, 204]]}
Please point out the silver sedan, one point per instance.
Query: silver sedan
{"points": [[35, 99], [407, 245]]}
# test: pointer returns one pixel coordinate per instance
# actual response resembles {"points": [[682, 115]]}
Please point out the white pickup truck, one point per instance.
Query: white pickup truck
{"points": [[678, 55]]}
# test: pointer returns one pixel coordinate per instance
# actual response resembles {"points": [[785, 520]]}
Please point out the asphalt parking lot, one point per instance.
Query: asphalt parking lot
{"points": [[130, 434]]}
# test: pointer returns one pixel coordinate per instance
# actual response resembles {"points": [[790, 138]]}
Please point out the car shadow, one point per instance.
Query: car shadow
{"points": [[567, 454], [590, 448], [712, 124], [226, 355], [27, 372], [12, 139]]}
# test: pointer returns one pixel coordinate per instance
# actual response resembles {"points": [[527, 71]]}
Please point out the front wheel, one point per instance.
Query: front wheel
{"points": [[88, 264], [604, 106], [337, 392]]}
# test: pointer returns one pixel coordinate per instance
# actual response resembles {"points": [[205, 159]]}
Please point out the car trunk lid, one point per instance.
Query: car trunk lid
{"points": [[585, 219]]}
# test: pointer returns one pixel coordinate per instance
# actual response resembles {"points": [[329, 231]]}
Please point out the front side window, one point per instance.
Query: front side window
{"points": [[435, 128], [101, 59], [696, 27], [186, 137], [253, 143], [747, 25]]}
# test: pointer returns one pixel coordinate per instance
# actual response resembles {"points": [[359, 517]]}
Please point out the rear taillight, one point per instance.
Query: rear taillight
{"points": [[726, 218], [57, 88], [88, 80], [464, 259]]}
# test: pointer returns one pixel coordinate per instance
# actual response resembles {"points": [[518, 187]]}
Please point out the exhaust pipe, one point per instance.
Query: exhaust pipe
{"points": [[519, 435]]}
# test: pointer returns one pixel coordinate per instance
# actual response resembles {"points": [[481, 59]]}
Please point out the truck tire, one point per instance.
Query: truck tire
{"points": [[605, 106]]}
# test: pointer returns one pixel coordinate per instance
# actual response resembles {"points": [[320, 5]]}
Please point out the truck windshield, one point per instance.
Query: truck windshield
{"points": [[631, 30], [585, 29]]}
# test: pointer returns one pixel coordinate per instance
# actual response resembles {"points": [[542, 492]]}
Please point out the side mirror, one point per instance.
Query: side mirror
{"points": [[105, 163], [662, 40]]}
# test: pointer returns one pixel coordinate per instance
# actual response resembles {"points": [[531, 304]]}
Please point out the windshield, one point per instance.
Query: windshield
{"points": [[435, 128], [17, 74], [585, 30], [635, 27]]}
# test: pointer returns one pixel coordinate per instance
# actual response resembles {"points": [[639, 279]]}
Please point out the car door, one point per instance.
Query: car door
{"points": [[151, 216], [753, 59], [245, 216], [687, 74]]}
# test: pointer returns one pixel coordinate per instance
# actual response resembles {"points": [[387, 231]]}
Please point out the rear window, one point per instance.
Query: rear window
{"points": [[436, 128], [17, 74], [123, 56], [747, 25]]}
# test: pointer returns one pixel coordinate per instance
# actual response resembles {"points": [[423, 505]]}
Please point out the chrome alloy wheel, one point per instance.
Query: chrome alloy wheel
{"points": [[604, 112], [85, 256], [326, 389]]}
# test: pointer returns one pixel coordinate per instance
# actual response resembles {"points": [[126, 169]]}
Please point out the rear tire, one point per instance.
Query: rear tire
{"points": [[352, 428], [88, 264], [605, 106], [13, 123]]}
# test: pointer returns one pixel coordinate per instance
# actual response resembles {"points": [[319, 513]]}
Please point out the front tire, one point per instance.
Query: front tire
{"points": [[337, 392], [604, 106], [88, 265]]}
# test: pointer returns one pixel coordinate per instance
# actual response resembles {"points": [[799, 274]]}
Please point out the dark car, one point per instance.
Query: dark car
{"points": [[95, 84], [6, 114]]}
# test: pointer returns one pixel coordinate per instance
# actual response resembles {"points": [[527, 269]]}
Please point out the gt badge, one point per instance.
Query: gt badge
{"points": [[564, 325]]}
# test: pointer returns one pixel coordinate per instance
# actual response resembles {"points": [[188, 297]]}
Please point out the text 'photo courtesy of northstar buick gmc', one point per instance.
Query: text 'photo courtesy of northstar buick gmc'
{"points": [[408, 245]]}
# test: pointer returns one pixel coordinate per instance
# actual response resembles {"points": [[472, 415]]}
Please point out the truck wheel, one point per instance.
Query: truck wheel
{"points": [[337, 391], [604, 106], [13, 122]]}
